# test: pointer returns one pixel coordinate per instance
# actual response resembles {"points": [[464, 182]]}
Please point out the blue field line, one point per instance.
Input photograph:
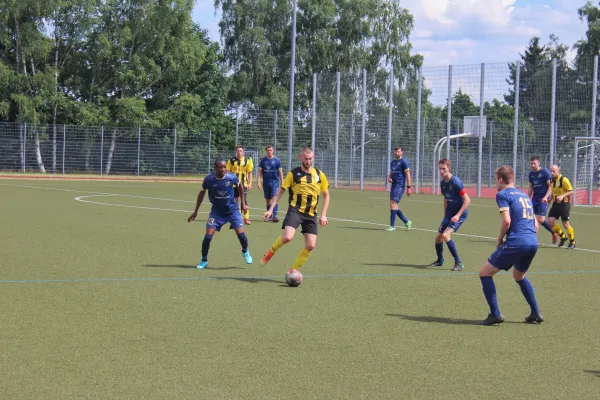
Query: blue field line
{"points": [[280, 277]]}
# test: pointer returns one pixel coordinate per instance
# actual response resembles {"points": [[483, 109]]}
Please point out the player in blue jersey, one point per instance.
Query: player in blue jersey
{"points": [[456, 202], [221, 187], [271, 172], [520, 227], [540, 190], [399, 177]]}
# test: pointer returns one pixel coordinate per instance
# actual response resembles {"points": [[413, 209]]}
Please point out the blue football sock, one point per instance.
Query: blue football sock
{"points": [[243, 241], [453, 251], [529, 295], [392, 218], [546, 225], [439, 249], [489, 290], [275, 210], [206, 246], [402, 217]]}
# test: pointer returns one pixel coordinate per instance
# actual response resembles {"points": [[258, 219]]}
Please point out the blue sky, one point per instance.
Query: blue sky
{"points": [[462, 32]]}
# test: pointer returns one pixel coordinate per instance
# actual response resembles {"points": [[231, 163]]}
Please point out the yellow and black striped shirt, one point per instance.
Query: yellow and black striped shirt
{"points": [[241, 168], [305, 188], [561, 185]]}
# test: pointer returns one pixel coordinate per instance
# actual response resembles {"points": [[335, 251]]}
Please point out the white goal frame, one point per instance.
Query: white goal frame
{"points": [[581, 143]]}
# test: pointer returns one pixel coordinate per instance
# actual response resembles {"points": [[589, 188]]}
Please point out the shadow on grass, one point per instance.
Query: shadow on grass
{"points": [[251, 280], [185, 266], [442, 320], [590, 371], [419, 266], [363, 228]]}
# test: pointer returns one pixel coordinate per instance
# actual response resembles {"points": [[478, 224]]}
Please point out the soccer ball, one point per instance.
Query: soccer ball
{"points": [[293, 278]]}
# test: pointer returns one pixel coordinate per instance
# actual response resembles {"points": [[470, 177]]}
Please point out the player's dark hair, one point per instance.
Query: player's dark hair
{"points": [[445, 161], [398, 148], [535, 158], [219, 160], [506, 174], [239, 146], [270, 146]]}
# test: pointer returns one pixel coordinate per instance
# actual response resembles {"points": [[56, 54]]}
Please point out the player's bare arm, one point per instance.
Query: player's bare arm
{"points": [[258, 185], [323, 217], [560, 198], [548, 192], [408, 182], [466, 202], [249, 180], [504, 226], [274, 202], [390, 177], [530, 190], [199, 200], [280, 171]]}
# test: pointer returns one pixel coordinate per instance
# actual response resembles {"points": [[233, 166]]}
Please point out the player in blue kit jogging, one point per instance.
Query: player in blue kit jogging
{"points": [[540, 190], [221, 187], [400, 179], [520, 226], [456, 202], [271, 172]]}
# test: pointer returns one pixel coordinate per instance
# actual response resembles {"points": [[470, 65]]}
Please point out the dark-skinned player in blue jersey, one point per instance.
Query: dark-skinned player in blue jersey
{"points": [[221, 187], [516, 246]]}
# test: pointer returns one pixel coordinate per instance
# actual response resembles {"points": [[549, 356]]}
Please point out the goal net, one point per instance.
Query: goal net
{"points": [[587, 172]]}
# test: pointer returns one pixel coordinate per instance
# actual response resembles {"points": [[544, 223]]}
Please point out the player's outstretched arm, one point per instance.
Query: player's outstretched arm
{"points": [[326, 198], [274, 202], [199, 200]]}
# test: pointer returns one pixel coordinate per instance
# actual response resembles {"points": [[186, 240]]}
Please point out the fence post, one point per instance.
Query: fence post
{"points": [[553, 112], [337, 127], [63, 148], [481, 127], [516, 127], [292, 75], [209, 144], [593, 131], [523, 153], [174, 150], [490, 153], [101, 147], [364, 129], [423, 153], [139, 149], [24, 145], [390, 106], [449, 119], [351, 166], [418, 172], [275, 132], [314, 113], [457, 147]]}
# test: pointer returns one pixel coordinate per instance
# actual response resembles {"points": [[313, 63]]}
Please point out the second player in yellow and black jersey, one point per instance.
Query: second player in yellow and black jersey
{"points": [[304, 189]]}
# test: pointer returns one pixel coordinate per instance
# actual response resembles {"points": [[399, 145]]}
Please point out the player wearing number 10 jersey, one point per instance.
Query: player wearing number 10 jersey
{"points": [[520, 226]]}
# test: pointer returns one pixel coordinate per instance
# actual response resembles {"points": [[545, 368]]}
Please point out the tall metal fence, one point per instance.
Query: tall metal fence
{"points": [[353, 122]]}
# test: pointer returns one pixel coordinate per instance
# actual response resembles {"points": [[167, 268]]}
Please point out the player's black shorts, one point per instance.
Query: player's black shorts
{"points": [[560, 211], [295, 218]]}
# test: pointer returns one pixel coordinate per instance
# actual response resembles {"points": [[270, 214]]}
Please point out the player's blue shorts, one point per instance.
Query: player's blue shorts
{"points": [[396, 192], [510, 254], [539, 208], [447, 223], [216, 220], [270, 189]]}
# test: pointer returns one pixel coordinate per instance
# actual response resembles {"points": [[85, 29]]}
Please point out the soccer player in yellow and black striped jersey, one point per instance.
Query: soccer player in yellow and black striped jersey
{"points": [[561, 207], [242, 167], [305, 184]]}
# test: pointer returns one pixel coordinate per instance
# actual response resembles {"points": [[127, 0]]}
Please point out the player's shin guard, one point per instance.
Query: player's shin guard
{"points": [[546, 225], [206, 246], [556, 229], [571, 234], [301, 259], [243, 241], [439, 249], [489, 291], [277, 245], [401, 216], [529, 295], [453, 251]]}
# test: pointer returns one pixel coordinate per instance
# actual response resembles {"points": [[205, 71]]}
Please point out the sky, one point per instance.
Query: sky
{"points": [[463, 32]]}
